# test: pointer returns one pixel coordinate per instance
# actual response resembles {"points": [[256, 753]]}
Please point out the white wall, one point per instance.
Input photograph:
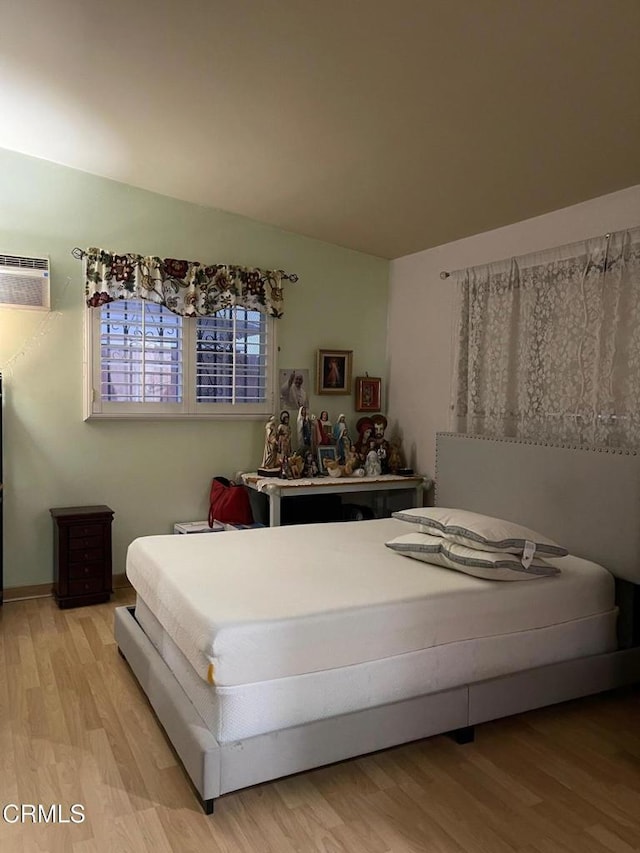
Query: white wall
{"points": [[421, 308]]}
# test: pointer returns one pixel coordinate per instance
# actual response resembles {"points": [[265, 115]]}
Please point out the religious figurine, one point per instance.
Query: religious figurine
{"points": [[379, 426], [381, 443], [296, 464], [396, 459], [285, 469], [333, 467], [284, 436], [351, 461], [270, 453], [372, 466], [304, 429], [322, 429], [310, 465], [365, 432], [341, 438]]}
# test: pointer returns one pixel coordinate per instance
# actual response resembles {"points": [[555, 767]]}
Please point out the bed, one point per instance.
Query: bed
{"points": [[267, 652]]}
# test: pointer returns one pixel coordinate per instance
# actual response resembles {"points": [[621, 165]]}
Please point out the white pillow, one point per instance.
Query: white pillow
{"points": [[481, 532], [481, 564]]}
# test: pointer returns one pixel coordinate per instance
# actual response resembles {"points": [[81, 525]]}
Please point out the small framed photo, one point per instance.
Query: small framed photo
{"points": [[334, 371], [294, 387], [326, 451], [368, 394]]}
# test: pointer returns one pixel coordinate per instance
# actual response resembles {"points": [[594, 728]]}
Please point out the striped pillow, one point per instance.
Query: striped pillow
{"points": [[489, 565], [481, 532]]}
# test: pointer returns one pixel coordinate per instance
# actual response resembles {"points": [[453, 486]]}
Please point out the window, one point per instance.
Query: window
{"points": [[145, 361]]}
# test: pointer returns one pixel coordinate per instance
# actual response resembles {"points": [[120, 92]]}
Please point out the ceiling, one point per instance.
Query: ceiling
{"points": [[386, 127]]}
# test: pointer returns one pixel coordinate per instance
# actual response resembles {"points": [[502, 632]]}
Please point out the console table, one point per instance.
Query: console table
{"points": [[276, 489]]}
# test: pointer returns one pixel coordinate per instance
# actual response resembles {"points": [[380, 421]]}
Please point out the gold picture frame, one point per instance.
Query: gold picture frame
{"points": [[333, 374], [368, 394]]}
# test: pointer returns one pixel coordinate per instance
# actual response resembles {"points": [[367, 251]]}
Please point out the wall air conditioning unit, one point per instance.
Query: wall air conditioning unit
{"points": [[24, 282]]}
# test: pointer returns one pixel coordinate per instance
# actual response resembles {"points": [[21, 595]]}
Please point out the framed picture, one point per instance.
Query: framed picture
{"points": [[368, 394], [334, 371], [326, 451], [294, 387]]}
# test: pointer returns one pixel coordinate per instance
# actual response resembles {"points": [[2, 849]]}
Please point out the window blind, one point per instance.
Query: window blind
{"points": [[232, 357], [141, 347]]}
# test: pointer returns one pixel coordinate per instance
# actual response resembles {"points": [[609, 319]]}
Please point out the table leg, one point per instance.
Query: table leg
{"points": [[419, 494], [274, 510]]}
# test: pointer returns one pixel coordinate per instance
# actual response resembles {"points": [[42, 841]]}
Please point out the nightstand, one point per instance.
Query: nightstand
{"points": [[82, 555]]}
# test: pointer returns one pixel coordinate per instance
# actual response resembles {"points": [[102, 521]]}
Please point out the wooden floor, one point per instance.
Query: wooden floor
{"points": [[75, 728]]}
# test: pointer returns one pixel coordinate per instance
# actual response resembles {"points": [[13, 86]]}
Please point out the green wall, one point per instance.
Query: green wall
{"points": [[150, 473]]}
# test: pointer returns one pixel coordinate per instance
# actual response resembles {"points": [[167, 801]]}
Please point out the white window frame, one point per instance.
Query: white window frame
{"points": [[95, 408]]}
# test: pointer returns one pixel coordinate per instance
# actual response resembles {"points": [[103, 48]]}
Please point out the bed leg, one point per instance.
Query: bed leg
{"points": [[464, 735], [207, 805]]}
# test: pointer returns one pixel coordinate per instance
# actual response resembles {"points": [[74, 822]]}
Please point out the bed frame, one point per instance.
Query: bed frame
{"points": [[589, 499]]}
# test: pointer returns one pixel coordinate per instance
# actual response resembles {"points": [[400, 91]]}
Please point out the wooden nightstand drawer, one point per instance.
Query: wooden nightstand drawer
{"points": [[80, 530], [90, 555], [91, 585], [85, 542], [82, 555], [84, 571]]}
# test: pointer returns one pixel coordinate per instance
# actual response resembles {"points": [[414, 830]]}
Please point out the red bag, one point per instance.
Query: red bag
{"points": [[229, 503]]}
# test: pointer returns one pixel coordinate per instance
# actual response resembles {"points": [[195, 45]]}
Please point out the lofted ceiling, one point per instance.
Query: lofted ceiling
{"points": [[386, 127]]}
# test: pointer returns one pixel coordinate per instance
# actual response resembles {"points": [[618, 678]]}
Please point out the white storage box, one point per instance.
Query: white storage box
{"points": [[197, 527]]}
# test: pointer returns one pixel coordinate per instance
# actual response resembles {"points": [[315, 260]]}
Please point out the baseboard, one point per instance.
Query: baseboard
{"points": [[16, 593], [44, 590]]}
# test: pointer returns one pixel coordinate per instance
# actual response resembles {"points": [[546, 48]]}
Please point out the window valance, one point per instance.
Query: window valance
{"points": [[188, 288]]}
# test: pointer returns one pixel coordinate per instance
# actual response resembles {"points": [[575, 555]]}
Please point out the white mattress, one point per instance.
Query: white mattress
{"points": [[278, 602], [236, 713]]}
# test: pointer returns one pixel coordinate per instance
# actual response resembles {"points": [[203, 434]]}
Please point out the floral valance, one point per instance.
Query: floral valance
{"points": [[189, 288]]}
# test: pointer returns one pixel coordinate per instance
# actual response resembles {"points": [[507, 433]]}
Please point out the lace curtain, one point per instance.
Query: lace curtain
{"points": [[188, 288], [548, 345]]}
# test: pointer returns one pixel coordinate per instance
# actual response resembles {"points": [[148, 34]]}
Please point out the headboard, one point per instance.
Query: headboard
{"points": [[587, 499]]}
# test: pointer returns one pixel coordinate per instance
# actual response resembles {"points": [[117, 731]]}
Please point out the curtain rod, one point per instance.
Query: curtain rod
{"points": [[79, 254], [444, 274]]}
